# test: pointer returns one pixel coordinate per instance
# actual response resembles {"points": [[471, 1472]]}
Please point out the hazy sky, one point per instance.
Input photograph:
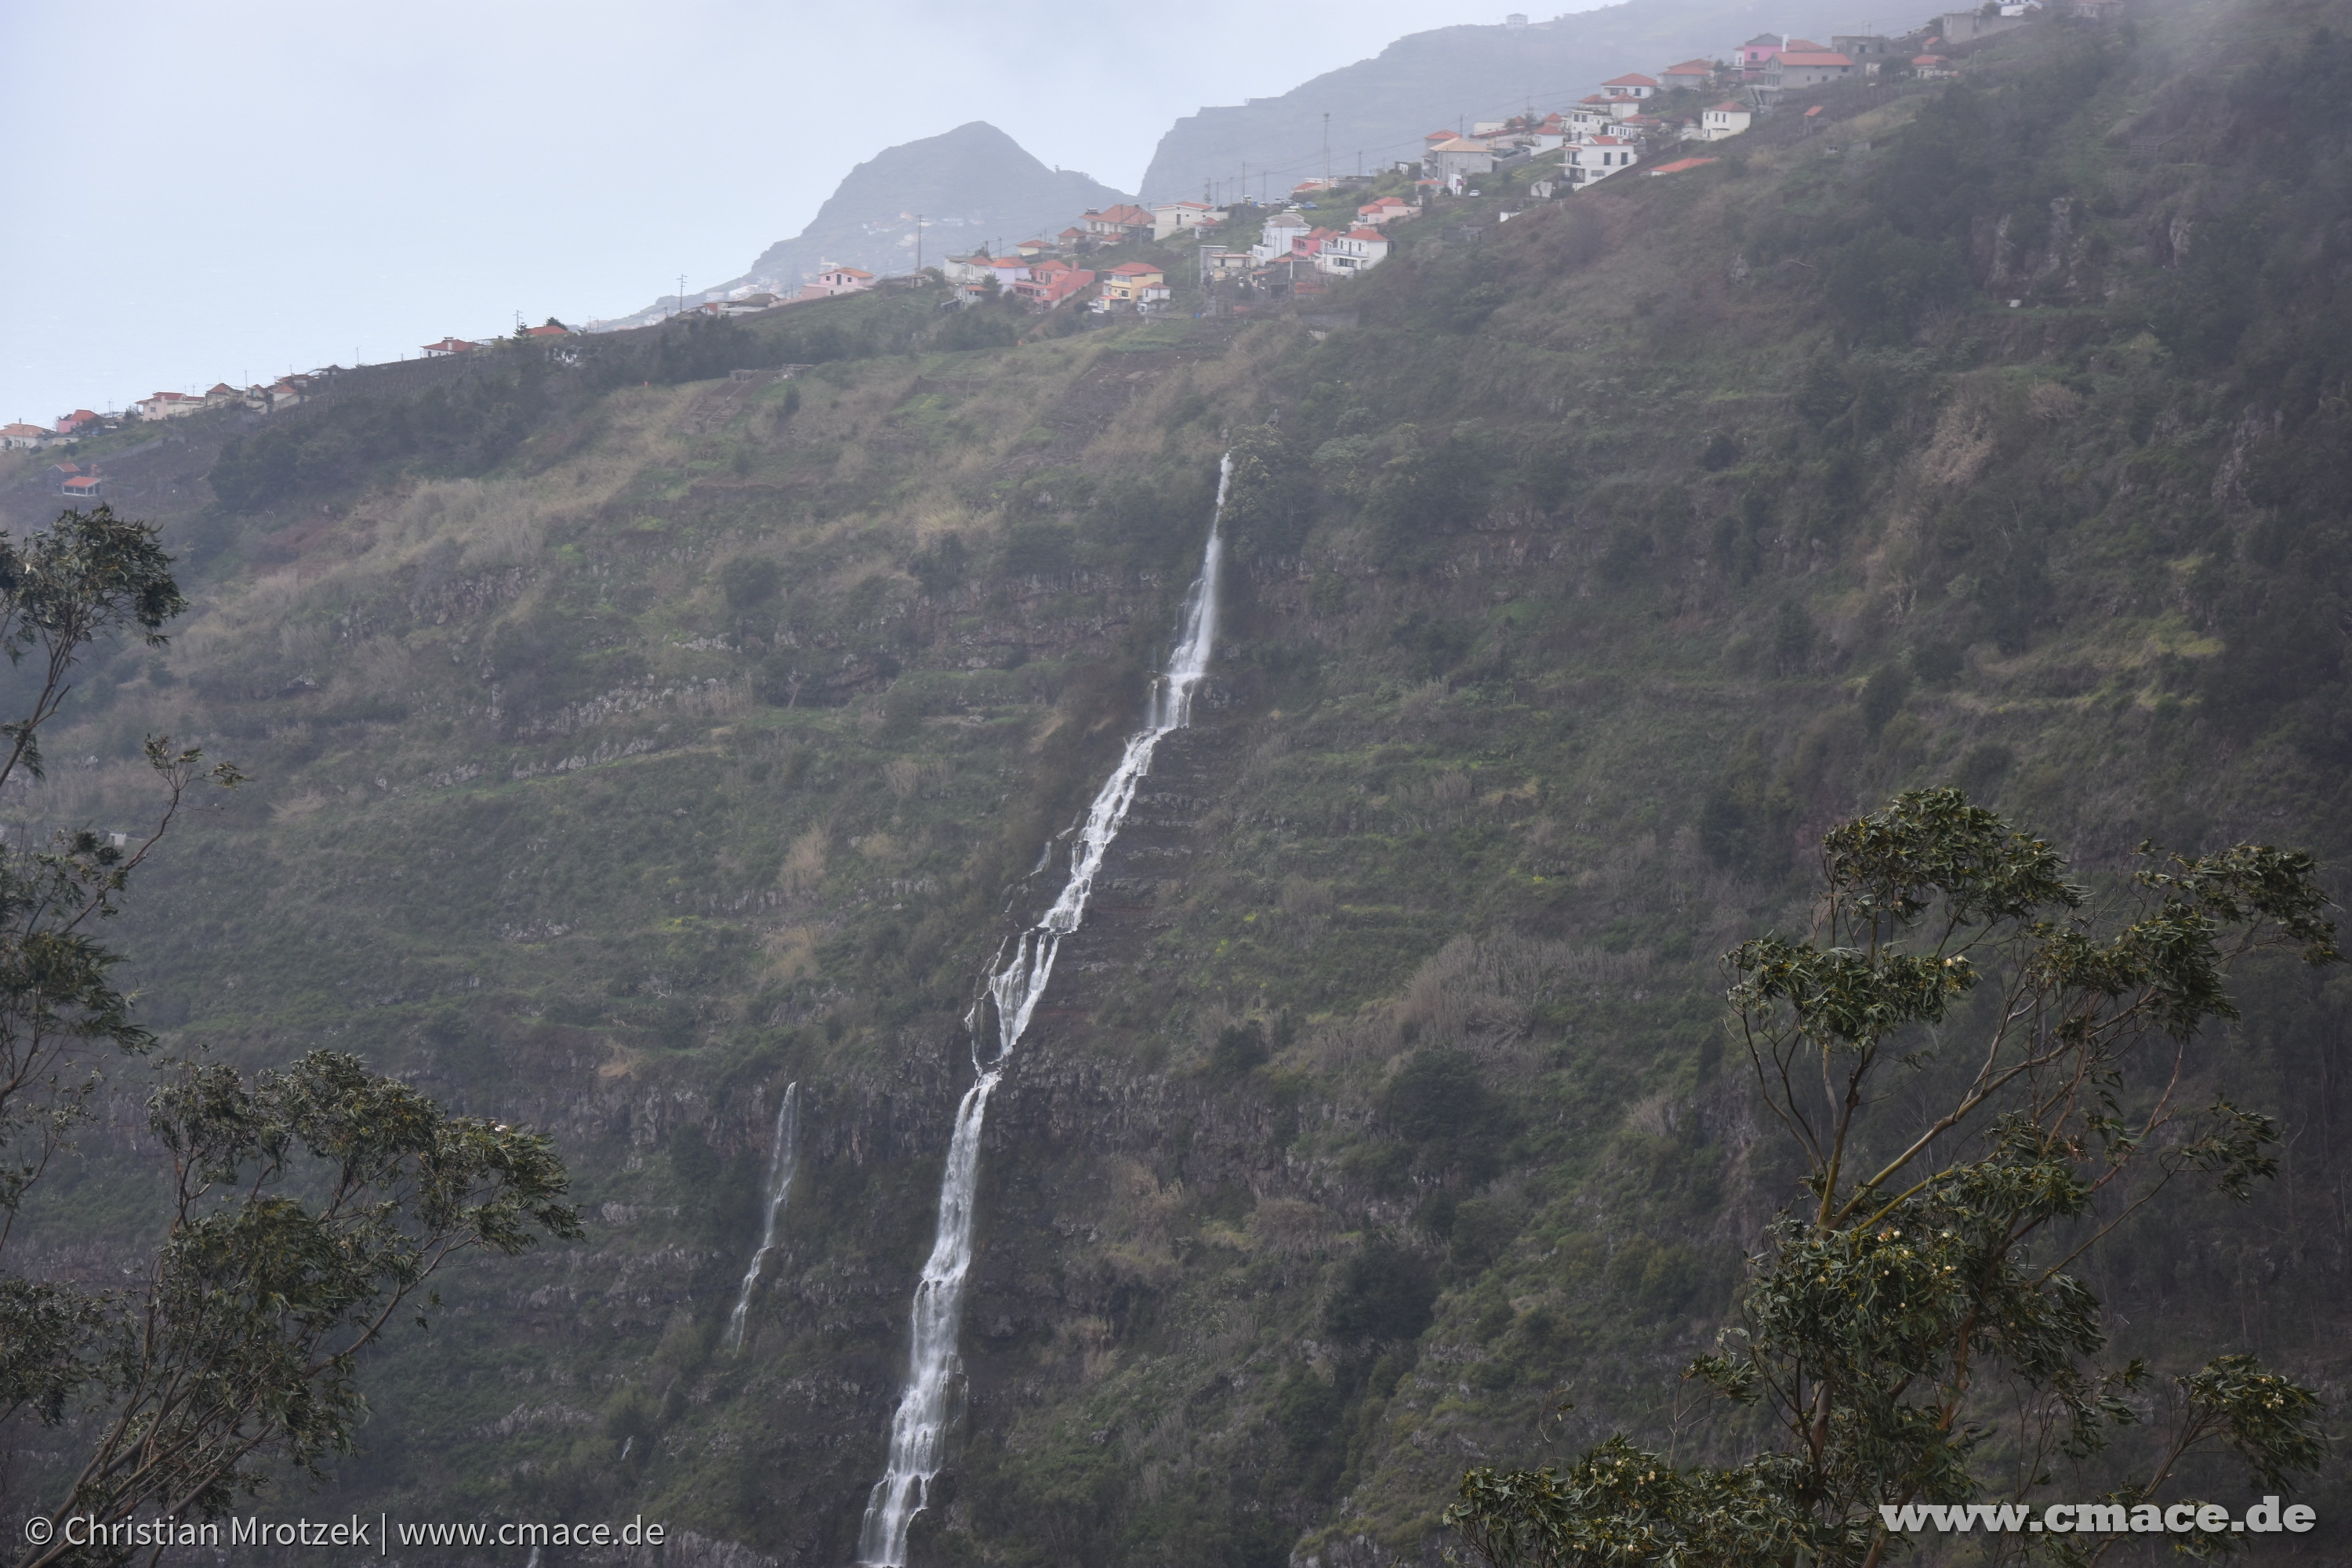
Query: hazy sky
{"points": [[228, 189]]}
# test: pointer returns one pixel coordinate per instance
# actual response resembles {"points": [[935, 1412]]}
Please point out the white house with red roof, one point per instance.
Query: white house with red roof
{"points": [[1358, 250], [25, 437], [1696, 74], [1634, 84], [1119, 222], [973, 268], [167, 405], [835, 281], [1388, 209], [449, 346], [1590, 162], [1718, 120]]}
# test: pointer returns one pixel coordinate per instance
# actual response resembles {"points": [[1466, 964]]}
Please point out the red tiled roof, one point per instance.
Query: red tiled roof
{"points": [[1727, 108], [1368, 234], [1133, 269], [87, 482], [1701, 66], [1632, 79]]}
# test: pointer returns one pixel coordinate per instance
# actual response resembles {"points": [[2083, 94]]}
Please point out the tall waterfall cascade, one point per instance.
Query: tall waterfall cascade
{"points": [[999, 1018], [784, 1160]]}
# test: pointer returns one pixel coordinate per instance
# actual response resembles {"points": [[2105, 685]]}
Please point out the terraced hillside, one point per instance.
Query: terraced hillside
{"points": [[632, 740]]}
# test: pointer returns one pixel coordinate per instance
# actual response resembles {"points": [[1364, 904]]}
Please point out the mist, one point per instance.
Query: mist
{"points": [[233, 191]]}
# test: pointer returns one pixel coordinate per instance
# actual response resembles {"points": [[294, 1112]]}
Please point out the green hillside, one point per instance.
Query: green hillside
{"points": [[630, 739]]}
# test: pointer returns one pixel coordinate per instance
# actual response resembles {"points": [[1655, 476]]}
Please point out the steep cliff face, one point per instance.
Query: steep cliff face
{"points": [[697, 737]]}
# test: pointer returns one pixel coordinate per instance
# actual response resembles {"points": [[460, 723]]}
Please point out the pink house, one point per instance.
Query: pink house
{"points": [[837, 280], [67, 424], [167, 405], [1051, 282]]}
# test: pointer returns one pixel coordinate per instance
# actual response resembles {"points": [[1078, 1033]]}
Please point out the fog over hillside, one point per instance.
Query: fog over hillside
{"points": [[1380, 108]]}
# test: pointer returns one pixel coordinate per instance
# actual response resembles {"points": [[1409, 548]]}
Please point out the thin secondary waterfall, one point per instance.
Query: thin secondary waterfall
{"points": [[998, 1020], [784, 1158]]}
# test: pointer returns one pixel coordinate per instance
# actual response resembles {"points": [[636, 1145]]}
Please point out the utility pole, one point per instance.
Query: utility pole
{"points": [[1327, 149], [681, 296], [919, 245]]}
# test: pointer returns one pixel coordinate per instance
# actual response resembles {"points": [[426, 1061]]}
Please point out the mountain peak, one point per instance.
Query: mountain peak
{"points": [[971, 185]]}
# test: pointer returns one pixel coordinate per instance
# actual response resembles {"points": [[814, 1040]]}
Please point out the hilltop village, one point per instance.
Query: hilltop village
{"points": [[1211, 257]]}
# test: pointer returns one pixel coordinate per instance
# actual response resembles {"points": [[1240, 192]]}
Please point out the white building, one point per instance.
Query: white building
{"points": [[1281, 231], [167, 405], [835, 280], [1358, 250], [1174, 217], [1452, 162], [1590, 162], [1721, 120]]}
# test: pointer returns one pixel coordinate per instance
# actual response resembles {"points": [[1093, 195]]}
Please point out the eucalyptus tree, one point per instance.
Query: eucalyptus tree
{"points": [[307, 1207], [1915, 1329]]}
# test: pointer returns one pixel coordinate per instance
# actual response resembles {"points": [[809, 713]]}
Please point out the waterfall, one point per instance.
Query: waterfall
{"points": [[1010, 995], [783, 1157]]}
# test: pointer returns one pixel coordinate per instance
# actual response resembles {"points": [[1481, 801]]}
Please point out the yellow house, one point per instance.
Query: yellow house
{"points": [[1129, 283]]}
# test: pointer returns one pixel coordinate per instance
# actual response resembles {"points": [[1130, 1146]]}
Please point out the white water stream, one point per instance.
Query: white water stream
{"points": [[919, 1429], [783, 1159]]}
